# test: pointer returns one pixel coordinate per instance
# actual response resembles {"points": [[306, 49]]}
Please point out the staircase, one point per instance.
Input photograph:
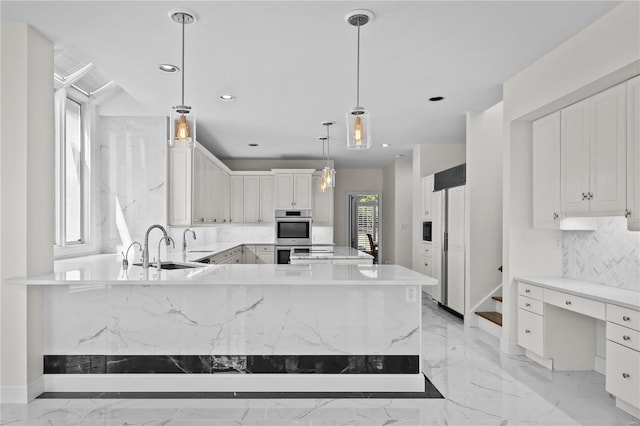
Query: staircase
{"points": [[491, 320]]}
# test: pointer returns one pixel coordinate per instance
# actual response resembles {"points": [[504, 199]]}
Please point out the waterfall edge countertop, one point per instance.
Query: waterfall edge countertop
{"points": [[107, 269]]}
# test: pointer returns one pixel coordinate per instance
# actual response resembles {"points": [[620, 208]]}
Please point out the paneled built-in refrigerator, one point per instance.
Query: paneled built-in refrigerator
{"points": [[448, 205]]}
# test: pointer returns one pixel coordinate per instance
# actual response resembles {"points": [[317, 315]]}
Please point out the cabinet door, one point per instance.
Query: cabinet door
{"points": [[213, 192], [267, 212], [251, 199], [455, 264], [284, 191], [236, 196], [546, 172], [574, 171], [226, 197], [608, 188], [199, 193], [322, 204], [427, 191], [249, 255], [302, 195], [266, 258], [531, 331], [633, 154], [180, 169]]}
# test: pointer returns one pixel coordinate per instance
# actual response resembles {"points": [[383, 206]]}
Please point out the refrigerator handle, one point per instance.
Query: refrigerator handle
{"points": [[445, 244]]}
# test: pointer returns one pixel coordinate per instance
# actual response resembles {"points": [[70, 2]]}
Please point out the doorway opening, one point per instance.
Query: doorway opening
{"points": [[364, 218]]}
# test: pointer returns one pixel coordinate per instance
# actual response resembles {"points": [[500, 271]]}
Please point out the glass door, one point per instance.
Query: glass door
{"points": [[364, 218]]}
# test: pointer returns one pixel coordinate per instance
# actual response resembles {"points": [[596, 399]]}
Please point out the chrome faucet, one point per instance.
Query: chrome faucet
{"points": [[145, 249], [184, 238], [125, 257], [168, 240]]}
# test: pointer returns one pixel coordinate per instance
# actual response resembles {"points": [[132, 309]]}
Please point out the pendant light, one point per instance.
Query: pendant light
{"points": [[323, 181], [358, 119], [183, 121], [329, 173]]}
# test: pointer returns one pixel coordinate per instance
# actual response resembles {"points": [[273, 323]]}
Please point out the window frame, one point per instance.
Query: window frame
{"points": [[63, 248]]}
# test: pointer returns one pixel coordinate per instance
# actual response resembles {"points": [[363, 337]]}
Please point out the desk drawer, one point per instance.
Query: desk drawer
{"points": [[623, 335], [577, 304], [264, 248], [427, 249], [623, 316], [531, 331], [531, 305], [530, 291], [623, 373]]}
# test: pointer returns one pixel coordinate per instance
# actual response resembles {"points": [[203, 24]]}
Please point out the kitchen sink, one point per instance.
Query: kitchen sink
{"points": [[171, 265]]}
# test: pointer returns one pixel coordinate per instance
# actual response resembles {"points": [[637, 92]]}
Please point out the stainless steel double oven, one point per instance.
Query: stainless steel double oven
{"points": [[293, 230]]}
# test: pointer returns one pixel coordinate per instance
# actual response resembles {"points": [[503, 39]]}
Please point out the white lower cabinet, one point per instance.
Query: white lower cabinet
{"points": [[265, 254], [531, 331], [623, 373]]}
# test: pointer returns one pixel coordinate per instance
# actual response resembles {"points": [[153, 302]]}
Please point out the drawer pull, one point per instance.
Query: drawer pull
{"points": [[626, 338], [528, 331], [528, 305], [527, 291], [626, 318], [625, 375], [568, 302]]}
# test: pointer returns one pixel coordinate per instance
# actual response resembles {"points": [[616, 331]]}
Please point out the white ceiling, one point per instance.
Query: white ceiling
{"points": [[292, 64]]}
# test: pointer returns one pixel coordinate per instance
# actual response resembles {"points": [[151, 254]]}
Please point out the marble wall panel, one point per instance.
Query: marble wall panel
{"points": [[609, 256], [235, 320]]}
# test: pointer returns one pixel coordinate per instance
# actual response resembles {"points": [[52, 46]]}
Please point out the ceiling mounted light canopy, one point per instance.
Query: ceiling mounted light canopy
{"points": [[183, 121], [328, 173], [358, 119]]}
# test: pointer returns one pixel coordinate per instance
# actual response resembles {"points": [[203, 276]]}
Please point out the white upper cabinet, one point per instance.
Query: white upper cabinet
{"points": [[593, 154], [267, 211], [236, 199], [608, 188], [258, 199], [633, 154], [546, 172], [293, 190], [322, 204], [427, 193]]}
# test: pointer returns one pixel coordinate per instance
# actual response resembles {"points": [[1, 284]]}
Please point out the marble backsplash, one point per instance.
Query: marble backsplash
{"points": [[610, 255]]}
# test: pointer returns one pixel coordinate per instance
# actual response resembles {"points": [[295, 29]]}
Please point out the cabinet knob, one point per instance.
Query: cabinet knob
{"points": [[555, 216], [627, 213], [527, 291], [625, 375], [528, 331], [590, 196], [626, 318], [626, 338], [584, 196], [568, 302], [426, 264], [528, 305]]}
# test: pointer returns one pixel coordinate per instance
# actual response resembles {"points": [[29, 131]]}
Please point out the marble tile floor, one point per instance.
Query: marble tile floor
{"points": [[481, 387]]}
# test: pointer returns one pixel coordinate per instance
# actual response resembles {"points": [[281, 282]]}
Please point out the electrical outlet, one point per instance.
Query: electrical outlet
{"points": [[411, 294]]}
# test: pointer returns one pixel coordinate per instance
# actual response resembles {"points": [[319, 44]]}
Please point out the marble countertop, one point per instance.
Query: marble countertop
{"points": [[106, 269], [603, 293], [337, 252]]}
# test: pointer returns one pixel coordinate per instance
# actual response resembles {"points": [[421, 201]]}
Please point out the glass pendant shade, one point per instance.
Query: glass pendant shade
{"points": [[183, 127], [358, 129], [329, 176], [323, 184]]}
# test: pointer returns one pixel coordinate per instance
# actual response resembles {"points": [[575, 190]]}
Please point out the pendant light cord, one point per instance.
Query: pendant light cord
{"points": [[328, 146], [183, 18], [358, 69]]}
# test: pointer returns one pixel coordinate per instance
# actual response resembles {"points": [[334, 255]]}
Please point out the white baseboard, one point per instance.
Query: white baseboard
{"points": [[490, 327], [628, 408], [234, 382], [22, 394], [510, 348], [600, 365], [545, 362]]}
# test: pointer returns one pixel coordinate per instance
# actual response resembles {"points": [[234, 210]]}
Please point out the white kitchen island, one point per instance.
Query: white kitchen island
{"points": [[230, 327]]}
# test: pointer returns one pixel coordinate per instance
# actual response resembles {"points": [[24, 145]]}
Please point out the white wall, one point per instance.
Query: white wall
{"points": [[389, 214], [603, 54], [352, 180], [429, 159], [483, 204], [27, 227], [397, 208]]}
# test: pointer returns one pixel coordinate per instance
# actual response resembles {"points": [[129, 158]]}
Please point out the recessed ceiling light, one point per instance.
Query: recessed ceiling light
{"points": [[168, 68], [436, 98], [385, 145], [253, 144], [228, 98]]}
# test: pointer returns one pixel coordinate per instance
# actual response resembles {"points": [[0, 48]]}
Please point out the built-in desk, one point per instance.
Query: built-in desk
{"points": [[557, 328]]}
